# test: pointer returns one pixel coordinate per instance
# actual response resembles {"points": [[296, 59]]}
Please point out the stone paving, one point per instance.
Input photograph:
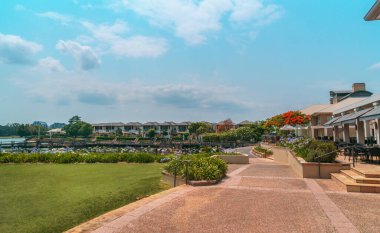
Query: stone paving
{"points": [[263, 196]]}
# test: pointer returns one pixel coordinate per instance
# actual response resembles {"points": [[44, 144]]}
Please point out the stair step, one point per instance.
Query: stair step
{"points": [[367, 174], [355, 177], [351, 186]]}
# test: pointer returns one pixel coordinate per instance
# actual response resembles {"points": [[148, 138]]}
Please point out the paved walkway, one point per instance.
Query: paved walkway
{"points": [[263, 196]]}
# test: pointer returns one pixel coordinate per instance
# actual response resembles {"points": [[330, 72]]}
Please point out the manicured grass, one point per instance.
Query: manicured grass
{"points": [[56, 197]]}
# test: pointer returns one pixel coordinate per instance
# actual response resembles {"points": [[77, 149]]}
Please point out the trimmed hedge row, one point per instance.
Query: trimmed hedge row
{"points": [[200, 167], [263, 150], [83, 158]]}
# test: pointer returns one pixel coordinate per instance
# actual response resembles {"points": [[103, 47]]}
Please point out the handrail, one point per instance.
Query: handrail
{"points": [[186, 173], [319, 158]]}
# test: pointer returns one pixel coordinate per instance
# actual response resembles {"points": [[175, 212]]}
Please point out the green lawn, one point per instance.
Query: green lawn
{"points": [[56, 197]]}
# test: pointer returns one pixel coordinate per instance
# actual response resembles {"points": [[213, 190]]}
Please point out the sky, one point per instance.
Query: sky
{"points": [[180, 60]]}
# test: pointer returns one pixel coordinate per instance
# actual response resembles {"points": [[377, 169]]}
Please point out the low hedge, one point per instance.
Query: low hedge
{"points": [[200, 167], [312, 150], [83, 158], [263, 150]]}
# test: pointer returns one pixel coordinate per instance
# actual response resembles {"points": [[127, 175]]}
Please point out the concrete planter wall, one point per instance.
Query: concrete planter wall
{"points": [[169, 179], [261, 154], [234, 159], [307, 169]]}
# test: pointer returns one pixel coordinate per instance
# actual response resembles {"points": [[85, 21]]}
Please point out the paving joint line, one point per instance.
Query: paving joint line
{"points": [[118, 223], [339, 221]]}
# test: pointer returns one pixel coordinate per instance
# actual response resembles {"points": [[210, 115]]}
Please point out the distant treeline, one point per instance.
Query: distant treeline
{"points": [[22, 130]]}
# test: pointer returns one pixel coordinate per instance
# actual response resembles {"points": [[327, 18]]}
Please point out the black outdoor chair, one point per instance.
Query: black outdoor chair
{"points": [[360, 151], [374, 152]]}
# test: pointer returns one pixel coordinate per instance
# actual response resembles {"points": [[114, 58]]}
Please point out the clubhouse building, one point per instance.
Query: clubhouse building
{"points": [[352, 116]]}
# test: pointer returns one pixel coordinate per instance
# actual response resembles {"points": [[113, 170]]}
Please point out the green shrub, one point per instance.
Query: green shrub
{"points": [[200, 167], [314, 151], [82, 158], [263, 150]]}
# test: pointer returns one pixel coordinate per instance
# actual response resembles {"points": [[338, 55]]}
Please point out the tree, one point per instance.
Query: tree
{"points": [[40, 123], [30, 130], [119, 132], [74, 119], [151, 133], [73, 129], [57, 125], [199, 128], [23, 130], [224, 126], [292, 118], [77, 127], [85, 130], [8, 130]]}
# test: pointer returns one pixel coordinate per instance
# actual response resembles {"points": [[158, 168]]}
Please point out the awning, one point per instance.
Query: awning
{"points": [[351, 118], [330, 122], [287, 127], [371, 115]]}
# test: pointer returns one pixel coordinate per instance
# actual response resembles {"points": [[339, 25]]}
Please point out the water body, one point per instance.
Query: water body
{"points": [[8, 140]]}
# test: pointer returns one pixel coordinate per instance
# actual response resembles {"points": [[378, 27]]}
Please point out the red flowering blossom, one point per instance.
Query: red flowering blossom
{"points": [[288, 118]]}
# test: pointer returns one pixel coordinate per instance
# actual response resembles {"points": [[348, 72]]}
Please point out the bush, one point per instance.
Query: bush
{"points": [[83, 158], [311, 150], [200, 167], [263, 150]]}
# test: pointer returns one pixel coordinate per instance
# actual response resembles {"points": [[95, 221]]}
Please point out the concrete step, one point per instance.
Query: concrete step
{"points": [[357, 178], [352, 186], [367, 173]]}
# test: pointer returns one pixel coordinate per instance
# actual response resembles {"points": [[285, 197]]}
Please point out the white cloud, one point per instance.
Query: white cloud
{"points": [[51, 64], [139, 46], [19, 7], [83, 88], [85, 55], [111, 36], [193, 20], [189, 20], [246, 10], [63, 19], [375, 66], [105, 31], [16, 50]]}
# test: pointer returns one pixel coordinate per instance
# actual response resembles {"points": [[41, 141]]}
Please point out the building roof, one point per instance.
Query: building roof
{"points": [[358, 104], [330, 122], [314, 108], [340, 92], [373, 114], [350, 118], [246, 122], [109, 124], [151, 123], [330, 108], [374, 12], [133, 124], [184, 123], [346, 102]]}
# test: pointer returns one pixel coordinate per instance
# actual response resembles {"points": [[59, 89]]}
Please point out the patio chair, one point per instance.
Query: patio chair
{"points": [[374, 152], [360, 151]]}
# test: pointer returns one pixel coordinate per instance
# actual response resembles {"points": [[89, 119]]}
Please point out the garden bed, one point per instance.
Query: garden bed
{"points": [[234, 159], [307, 169], [169, 179]]}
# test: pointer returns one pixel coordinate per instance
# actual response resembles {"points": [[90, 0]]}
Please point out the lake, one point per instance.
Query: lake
{"points": [[7, 140]]}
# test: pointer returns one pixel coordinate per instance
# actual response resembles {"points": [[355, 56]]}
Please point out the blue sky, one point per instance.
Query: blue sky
{"points": [[179, 60]]}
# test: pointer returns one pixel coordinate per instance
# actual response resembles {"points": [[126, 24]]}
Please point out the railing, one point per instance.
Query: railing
{"points": [[186, 173], [336, 151]]}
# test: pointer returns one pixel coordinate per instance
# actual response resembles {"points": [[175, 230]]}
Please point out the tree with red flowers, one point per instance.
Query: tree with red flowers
{"points": [[292, 118]]}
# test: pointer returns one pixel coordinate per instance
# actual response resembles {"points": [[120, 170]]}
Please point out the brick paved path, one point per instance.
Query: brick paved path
{"points": [[263, 196]]}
